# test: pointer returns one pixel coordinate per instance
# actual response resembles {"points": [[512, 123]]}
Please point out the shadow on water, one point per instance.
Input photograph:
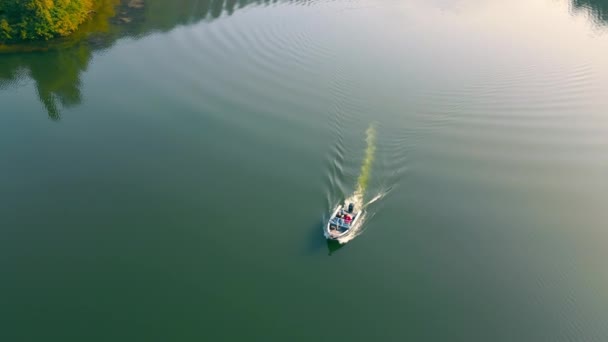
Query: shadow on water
{"points": [[56, 66], [333, 246], [597, 9], [316, 240]]}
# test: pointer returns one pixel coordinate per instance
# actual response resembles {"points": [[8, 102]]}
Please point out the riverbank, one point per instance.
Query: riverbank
{"points": [[109, 18]]}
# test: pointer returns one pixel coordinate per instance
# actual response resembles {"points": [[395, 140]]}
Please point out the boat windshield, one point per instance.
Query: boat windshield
{"points": [[341, 222]]}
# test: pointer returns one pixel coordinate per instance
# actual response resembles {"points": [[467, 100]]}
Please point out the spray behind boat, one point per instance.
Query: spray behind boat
{"points": [[354, 203], [356, 199]]}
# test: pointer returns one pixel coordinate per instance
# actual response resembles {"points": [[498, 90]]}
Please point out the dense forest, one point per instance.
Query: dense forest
{"points": [[22, 20]]}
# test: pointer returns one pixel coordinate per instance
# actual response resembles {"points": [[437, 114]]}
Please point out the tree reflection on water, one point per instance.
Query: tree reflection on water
{"points": [[56, 66], [598, 9]]}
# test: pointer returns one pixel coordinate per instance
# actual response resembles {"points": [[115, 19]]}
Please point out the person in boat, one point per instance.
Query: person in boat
{"points": [[347, 218]]}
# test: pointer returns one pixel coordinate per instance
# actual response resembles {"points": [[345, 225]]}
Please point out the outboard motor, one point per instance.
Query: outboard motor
{"points": [[351, 207]]}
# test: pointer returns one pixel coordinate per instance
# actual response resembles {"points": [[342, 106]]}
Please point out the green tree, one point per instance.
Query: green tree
{"points": [[41, 19]]}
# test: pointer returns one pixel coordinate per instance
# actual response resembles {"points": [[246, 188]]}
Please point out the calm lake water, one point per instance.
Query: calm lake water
{"points": [[167, 180]]}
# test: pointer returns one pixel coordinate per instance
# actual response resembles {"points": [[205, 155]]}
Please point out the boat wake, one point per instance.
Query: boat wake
{"points": [[357, 198]]}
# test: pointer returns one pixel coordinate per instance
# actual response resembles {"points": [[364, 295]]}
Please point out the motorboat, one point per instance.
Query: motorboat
{"points": [[341, 221]]}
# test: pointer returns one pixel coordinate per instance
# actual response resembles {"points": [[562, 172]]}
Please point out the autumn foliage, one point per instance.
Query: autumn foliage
{"points": [[22, 20]]}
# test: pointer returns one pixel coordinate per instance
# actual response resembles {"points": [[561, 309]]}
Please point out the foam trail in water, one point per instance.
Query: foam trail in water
{"points": [[366, 167], [377, 197], [357, 197]]}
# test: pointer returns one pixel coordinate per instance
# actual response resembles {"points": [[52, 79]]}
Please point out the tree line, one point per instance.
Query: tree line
{"points": [[26, 20]]}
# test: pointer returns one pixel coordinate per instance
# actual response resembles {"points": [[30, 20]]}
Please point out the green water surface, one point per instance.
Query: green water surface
{"points": [[168, 179]]}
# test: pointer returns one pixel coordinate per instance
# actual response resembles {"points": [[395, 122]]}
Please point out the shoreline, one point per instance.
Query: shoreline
{"points": [[103, 24]]}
